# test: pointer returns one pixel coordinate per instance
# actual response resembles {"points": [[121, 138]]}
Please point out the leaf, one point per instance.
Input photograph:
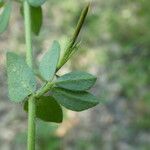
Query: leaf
{"points": [[76, 81], [4, 17], [36, 3], [36, 19], [21, 79], [49, 62], [47, 109], [76, 101]]}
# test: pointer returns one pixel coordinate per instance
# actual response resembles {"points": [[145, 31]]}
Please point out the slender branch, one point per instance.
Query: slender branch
{"points": [[79, 25], [31, 104], [28, 33], [72, 43], [44, 89], [31, 123]]}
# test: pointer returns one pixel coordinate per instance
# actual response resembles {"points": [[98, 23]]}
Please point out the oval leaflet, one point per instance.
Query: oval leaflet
{"points": [[76, 101], [76, 81]]}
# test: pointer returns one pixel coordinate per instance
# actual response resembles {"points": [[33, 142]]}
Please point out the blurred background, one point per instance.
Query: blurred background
{"points": [[115, 46]]}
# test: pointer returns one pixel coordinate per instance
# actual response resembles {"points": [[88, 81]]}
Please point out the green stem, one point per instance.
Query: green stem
{"points": [[31, 124], [79, 25], [44, 89], [31, 104], [71, 44], [27, 17]]}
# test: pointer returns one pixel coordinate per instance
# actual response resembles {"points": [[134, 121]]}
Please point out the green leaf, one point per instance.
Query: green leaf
{"points": [[47, 109], [76, 101], [76, 81], [36, 3], [36, 19], [4, 17], [21, 79], [49, 62]]}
